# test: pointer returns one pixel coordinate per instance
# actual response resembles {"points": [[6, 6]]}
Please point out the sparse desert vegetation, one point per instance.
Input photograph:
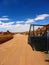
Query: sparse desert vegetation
{"points": [[5, 36]]}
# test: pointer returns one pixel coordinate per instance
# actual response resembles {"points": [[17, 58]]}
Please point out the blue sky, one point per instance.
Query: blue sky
{"points": [[22, 11]]}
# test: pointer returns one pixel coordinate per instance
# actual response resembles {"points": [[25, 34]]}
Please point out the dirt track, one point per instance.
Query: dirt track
{"points": [[18, 52]]}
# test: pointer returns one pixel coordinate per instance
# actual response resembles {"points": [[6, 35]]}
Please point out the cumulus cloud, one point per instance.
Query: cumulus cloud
{"points": [[15, 28], [8, 23], [0, 22], [4, 18], [5, 25], [19, 22], [27, 21], [30, 21], [41, 17], [18, 27], [21, 28]]}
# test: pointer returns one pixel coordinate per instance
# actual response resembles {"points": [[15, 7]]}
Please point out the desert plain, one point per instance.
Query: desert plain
{"points": [[17, 51]]}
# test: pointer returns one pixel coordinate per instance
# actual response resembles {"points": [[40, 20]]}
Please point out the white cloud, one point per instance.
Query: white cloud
{"points": [[21, 28], [15, 28], [18, 27], [41, 17], [5, 25], [19, 21], [8, 23], [0, 22], [30, 21], [4, 18]]}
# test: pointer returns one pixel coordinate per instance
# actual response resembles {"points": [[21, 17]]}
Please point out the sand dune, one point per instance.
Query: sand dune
{"points": [[18, 52]]}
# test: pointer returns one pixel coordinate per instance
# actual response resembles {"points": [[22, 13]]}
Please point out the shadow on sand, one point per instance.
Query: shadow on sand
{"points": [[46, 60]]}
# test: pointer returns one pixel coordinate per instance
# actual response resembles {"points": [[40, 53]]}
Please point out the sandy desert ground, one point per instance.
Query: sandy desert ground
{"points": [[17, 51]]}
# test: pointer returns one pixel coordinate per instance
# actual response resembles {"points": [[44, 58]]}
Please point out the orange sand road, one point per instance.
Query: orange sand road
{"points": [[18, 52]]}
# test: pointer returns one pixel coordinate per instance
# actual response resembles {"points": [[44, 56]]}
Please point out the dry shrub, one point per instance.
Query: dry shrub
{"points": [[4, 38]]}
